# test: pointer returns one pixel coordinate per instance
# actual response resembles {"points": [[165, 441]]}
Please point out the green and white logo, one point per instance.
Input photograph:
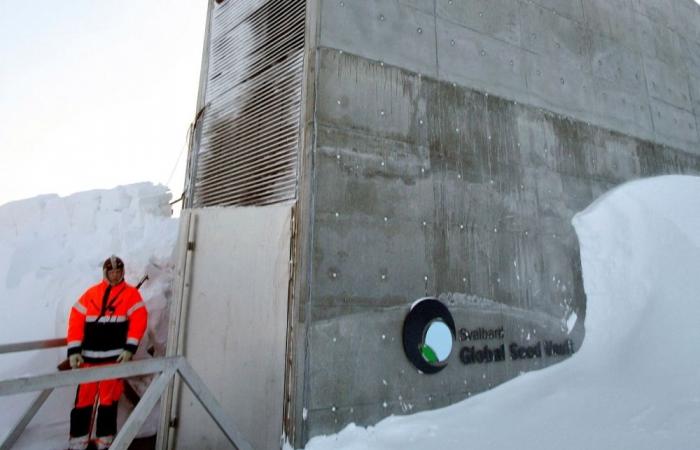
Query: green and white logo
{"points": [[428, 335], [437, 342]]}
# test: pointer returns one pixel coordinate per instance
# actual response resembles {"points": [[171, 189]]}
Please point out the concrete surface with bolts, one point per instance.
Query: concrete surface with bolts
{"points": [[454, 141], [628, 65]]}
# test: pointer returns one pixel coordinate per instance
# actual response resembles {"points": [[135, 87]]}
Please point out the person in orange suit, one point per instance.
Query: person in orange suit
{"points": [[105, 327]]}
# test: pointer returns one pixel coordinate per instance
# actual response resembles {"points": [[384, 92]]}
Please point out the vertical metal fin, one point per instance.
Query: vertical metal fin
{"points": [[249, 142]]}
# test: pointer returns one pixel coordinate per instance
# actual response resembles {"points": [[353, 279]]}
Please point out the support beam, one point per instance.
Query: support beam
{"points": [[140, 413], [11, 439], [168, 367], [205, 397]]}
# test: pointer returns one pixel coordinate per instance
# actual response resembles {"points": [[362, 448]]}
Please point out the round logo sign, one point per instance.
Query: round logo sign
{"points": [[428, 335]]}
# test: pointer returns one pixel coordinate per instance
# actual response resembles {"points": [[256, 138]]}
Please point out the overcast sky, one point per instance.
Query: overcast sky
{"points": [[94, 94]]}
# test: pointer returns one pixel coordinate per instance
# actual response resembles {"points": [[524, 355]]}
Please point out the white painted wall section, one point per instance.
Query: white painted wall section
{"points": [[235, 330]]}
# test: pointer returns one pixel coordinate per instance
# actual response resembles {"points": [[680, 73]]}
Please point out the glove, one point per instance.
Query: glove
{"points": [[125, 356], [75, 360]]}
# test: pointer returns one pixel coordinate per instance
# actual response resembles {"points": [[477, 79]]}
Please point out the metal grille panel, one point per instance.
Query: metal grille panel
{"points": [[249, 139]]}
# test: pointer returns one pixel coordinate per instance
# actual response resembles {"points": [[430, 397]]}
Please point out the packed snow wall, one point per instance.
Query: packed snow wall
{"points": [[453, 141], [51, 250]]}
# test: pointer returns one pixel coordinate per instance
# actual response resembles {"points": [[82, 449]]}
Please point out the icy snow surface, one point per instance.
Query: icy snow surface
{"points": [[634, 384], [51, 250]]}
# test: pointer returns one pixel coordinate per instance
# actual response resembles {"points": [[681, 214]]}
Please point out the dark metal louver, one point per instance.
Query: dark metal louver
{"points": [[248, 144]]}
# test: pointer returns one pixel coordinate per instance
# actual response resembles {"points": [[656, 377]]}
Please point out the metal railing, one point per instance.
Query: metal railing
{"points": [[167, 368]]}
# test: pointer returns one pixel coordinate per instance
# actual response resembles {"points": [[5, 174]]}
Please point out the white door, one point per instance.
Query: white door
{"points": [[234, 322]]}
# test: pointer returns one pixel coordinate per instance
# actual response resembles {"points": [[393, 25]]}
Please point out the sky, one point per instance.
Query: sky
{"points": [[95, 94]]}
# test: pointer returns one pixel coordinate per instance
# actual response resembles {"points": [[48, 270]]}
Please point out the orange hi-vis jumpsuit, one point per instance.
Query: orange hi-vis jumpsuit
{"points": [[105, 321]]}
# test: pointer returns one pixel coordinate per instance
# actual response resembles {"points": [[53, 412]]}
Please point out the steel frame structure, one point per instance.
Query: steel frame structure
{"points": [[167, 368]]}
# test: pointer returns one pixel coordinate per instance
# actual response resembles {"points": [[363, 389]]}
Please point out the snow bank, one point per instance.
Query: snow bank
{"points": [[634, 384], [51, 250]]}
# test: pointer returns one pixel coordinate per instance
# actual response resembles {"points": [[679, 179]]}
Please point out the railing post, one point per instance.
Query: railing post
{"points": [[140, 413], [216, 412], [178, 322], [167, 367]]}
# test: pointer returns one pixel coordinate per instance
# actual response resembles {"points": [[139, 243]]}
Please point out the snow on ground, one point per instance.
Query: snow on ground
{"points": [[634, 384], [51, 250]]}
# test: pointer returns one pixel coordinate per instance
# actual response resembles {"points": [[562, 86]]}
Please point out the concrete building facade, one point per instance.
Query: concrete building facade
{"points": [[442, 149]]}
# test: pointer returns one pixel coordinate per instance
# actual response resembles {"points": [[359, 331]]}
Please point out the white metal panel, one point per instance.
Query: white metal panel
{"points": [[235, 323]]}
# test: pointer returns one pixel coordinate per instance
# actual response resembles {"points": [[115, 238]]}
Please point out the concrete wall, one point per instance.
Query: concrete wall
{"points": [[453, 140], [628, 65]]}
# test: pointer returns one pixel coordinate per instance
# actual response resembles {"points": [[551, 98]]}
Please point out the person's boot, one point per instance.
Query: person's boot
{"points": [[103, 443], [79, 428]]}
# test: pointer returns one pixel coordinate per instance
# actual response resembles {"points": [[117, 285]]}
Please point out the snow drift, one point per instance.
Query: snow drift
{"points": [[51, 250], [634, 384]]}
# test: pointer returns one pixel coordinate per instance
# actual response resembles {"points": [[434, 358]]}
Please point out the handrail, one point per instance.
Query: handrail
{"points": [[32, 345], [167, 367], [78, 376]]}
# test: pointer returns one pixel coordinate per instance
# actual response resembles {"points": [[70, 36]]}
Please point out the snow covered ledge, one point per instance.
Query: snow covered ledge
{"points": [[634, 382]]}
